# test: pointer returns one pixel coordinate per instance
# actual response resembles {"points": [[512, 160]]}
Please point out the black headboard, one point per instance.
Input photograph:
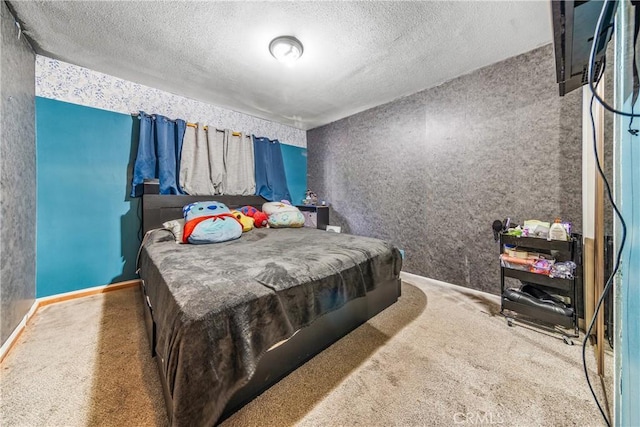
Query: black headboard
{"points": [[157, 208]]}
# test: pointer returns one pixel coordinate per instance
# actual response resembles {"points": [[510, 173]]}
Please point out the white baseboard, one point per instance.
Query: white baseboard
{"points": [[52, 299], [410, 277], [13, 338]]}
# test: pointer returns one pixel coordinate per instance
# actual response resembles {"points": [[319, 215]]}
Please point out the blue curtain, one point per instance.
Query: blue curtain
{"points": [[271, 181], [159, 148]]}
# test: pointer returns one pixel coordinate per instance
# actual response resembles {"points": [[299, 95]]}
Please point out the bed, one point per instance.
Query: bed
{"points": [[228, 320]]}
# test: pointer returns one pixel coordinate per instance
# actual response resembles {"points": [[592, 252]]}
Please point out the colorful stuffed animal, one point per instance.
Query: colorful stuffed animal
{"points": [[283, 215], [246, 221], [260, 219], [211, 229], [248, 210], [209, 222], [198, 209]]}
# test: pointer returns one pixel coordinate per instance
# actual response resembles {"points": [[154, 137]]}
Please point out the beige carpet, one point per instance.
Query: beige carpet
{"points": [[440, 356]]}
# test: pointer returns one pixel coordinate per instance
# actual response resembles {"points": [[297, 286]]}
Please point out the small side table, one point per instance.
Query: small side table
{"points": [[315, 216]]}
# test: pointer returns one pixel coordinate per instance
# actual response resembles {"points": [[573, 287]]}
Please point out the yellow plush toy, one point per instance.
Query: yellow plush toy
{"points": [[246, 221]]}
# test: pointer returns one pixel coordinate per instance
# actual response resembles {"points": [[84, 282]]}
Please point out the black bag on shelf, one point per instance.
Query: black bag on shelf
{"points": [[535, 297]]}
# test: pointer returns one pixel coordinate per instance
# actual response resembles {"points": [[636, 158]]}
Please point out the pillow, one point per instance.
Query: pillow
{"points": [[209, 222], [216, 229], [286, 220], [283, 215], [175, 226], [273, 207], [198, 209]]}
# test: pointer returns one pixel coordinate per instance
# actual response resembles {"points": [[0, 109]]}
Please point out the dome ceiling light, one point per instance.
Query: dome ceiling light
{"points": [[286, 49]]}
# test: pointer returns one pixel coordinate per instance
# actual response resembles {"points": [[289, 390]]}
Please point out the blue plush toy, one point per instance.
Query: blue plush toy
{"points": [[209, 222], [198, 209]]}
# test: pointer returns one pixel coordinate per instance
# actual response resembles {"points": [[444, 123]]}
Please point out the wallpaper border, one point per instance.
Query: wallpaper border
{"points": [[63, 81]]}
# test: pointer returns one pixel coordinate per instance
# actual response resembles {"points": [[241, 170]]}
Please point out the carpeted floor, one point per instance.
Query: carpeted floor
{"points": [[442, 355]]}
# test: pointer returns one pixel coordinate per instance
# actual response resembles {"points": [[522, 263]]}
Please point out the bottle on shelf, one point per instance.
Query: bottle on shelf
{"points": [[557, 231]]}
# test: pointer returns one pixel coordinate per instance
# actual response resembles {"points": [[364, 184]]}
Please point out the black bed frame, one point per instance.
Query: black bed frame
{"points": [[285, 358]]}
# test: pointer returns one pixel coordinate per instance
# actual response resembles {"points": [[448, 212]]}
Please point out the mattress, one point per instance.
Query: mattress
{"points": [[219, 307]]}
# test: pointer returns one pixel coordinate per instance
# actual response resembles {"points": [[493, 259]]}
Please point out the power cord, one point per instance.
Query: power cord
{"points": [[592, 62], [632, 131], [609, 283], [636, 75]]}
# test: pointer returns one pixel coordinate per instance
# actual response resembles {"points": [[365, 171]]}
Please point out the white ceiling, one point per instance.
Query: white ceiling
{"points": [[356, 54]]}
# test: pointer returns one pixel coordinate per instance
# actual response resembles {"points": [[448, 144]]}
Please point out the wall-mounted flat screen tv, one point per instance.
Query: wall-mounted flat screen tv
{"points": [[574, 25]]}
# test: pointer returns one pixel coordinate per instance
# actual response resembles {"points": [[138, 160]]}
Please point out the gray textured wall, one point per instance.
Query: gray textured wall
{"points": [[17, 177], [431, 171]]}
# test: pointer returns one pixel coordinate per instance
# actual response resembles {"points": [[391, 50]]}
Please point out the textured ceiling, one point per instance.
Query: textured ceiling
{"points": [[357, 54]]}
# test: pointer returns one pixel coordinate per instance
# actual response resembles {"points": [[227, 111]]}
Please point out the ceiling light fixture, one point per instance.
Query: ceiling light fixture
{"points": [[286, 49]]}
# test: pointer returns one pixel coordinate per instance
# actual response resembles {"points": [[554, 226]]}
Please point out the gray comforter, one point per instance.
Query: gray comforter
{"points": [[219, 307]]}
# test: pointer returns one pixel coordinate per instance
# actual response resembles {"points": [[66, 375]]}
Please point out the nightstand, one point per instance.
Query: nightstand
{"points": [[315, 216]]}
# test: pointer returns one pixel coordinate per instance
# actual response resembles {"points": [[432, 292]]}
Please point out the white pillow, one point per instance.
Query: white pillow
{"points": [[175, 226], [272, 207], [283, 215]]}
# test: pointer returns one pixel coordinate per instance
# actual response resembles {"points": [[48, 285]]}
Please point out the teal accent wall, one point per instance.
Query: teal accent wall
{"points": [[627, 177], [87, 225], [628, 281], [295, 168]]}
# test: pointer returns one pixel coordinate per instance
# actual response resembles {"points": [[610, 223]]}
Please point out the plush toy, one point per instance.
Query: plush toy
{"points": [[246, 221], [260, 219], [208, 208], [209, 222], [283, 215], [212, 229], [248, 210]]}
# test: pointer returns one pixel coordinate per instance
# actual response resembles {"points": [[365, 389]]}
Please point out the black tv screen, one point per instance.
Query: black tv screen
{"points": [[574, 25]]}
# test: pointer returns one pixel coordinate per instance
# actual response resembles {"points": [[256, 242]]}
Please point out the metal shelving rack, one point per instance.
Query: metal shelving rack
{"points": [[563, 287]]}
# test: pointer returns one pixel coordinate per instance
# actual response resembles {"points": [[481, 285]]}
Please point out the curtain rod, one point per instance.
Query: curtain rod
{"points": [[193, 125]]}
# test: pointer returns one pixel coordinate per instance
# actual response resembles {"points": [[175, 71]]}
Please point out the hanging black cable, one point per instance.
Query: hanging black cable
{"points": [[592, 60], [636, 76], [609, 282]]}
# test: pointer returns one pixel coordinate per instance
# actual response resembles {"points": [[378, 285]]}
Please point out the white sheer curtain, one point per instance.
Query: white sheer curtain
{"points": [[238, 161], [217, 161]]}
